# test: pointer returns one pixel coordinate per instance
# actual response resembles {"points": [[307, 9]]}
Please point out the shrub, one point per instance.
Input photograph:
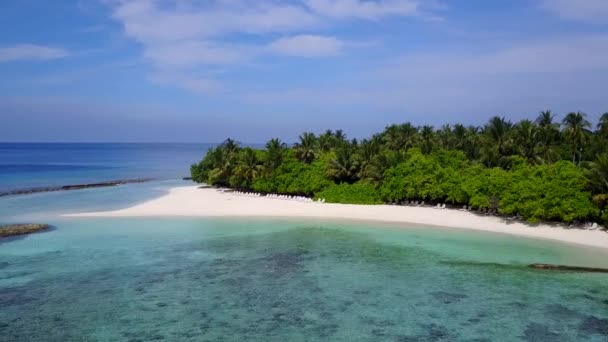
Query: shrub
{"points": [[357, 193]]}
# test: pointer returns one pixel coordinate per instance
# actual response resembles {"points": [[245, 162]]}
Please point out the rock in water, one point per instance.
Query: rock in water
{"points": [[568, 268], [73, 187], [21, 229]]}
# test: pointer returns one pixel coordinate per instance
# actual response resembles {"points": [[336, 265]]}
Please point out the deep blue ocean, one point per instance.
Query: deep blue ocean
{"points": [[27, 165]]}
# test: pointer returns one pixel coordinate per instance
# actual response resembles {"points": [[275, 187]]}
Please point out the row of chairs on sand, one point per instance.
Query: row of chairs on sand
{"points": [[277, 196], [417, 204], [322, 200], [295, 198], [247, 194], [422, 204]]}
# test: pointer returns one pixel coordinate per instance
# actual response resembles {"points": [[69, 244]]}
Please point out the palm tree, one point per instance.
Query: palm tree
{"points": [[498, 130], [526, 139], [374, 170], [576, 131], [339, 137], [275, 144], [306, 149], [248, 166], [326, 140], [445, 137], [459, 135], [400, 137], [545, 118], [222, 166], [596, 173], [427, 136], [345, 166], [230, 146], [548, 134], [489, 154], [368, 149], [473, 142], [602, 126], [274, 158], [391, 137]]}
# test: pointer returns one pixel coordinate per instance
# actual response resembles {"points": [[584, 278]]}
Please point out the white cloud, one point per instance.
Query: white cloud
{"points": [[363, 9], [193, 27], [30, 52], [594, 11], [307, 46], [178, 35], [146, 22], [572, 54]]}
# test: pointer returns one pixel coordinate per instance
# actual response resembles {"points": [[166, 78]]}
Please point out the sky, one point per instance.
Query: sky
{"points": [[204, 70]]}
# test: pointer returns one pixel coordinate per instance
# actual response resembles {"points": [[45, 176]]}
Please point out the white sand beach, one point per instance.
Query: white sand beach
{"points": [[207, 202]]}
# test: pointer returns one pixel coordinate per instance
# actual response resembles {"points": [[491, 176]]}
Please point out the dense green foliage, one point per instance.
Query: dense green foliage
{"points": [[537, 170], [357, 193]]}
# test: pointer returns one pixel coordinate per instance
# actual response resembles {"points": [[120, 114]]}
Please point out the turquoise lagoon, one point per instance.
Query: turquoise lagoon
{"points": [[195, 279]]}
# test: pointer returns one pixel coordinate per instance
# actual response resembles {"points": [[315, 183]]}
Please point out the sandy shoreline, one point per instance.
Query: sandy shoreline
{"points": [[197, 202]]}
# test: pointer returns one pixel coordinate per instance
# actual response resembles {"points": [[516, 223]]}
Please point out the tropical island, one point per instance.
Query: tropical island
{"points": [[540, 170]]}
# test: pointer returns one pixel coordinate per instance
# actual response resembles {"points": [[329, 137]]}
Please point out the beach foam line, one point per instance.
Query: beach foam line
{"points": [[193, 201]]}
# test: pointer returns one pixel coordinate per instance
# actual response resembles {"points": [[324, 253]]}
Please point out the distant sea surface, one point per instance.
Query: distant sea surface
{"points": [[29, 165]]}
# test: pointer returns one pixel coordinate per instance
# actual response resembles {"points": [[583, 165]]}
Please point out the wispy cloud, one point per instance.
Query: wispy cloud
{"points": [[518, 77], [370, 10], [593, 11], [147, 22], [177, 35], [30, 52], [182, 35], [307, 46], [569, 54]]}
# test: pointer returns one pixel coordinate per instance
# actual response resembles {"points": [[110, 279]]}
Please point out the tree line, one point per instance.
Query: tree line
{"points": [[537, 170]]}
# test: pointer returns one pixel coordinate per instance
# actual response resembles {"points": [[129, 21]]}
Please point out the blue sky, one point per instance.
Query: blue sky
{"points": [[177, 70]]}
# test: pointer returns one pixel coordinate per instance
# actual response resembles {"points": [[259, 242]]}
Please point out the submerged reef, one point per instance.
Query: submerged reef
{"points": [[74, 187], [21, 229]]}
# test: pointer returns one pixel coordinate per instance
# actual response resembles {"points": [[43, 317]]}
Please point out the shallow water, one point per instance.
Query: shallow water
{"points": [[47, 206], [277, 280]]}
